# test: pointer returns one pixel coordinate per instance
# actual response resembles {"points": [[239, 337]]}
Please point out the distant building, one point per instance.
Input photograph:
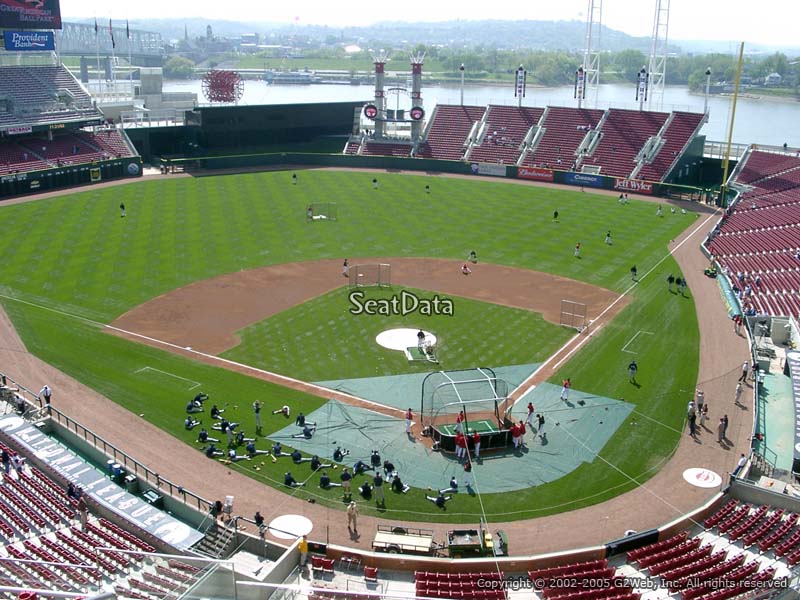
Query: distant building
{"points": [[773, 80]]}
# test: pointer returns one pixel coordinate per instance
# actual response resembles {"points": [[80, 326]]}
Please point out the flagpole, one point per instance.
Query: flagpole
{"points": [[97, 50], [130, 62], [113, 60]]}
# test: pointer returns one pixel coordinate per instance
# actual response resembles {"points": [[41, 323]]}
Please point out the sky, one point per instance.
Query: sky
{"points": [[770, 22]]}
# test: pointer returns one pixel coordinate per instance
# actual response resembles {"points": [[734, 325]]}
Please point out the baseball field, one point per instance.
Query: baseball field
{"points": [[197, 248]]}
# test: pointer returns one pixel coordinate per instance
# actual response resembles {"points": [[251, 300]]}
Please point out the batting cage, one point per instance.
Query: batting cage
{"points": [[478, 394], [378, 274], [321, 211]]}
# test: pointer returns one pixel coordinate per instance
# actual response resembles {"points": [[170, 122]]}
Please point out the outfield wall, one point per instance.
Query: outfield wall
{"points": [[390, 163], [35, 182]]}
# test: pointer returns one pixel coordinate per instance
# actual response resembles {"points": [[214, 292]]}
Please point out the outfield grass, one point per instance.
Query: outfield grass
{"points": [[478, 334], [74, 256]]}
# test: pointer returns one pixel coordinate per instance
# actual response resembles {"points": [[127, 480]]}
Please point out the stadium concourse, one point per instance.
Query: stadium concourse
{"points": [[663, 498]]}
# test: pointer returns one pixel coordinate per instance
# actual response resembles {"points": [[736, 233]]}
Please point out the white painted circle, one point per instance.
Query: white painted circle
{"points": [[400, 339], [289, 527], [703, 478]]}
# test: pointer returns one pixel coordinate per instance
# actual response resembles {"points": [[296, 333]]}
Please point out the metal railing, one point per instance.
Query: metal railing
{"points": [[130, 464], [37, 410]]}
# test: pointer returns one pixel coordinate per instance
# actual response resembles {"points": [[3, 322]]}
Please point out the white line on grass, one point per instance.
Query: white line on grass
{"points": [[630, 341], [321, 391], [196, 383], [528, 387]]}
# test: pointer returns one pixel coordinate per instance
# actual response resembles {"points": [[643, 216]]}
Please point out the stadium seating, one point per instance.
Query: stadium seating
{"points": [[505, 130], [448, 131], [372, 148], [681, 130], [35, 154], [624, 133], [458, 585], [564, 129], [40, 94], [757, 240]]}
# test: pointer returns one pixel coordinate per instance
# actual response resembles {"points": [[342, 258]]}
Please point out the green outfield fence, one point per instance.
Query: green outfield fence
{"points": [[34, 182], [199, 165]]}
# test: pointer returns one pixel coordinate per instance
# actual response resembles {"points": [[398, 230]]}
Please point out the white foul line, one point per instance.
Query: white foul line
{"points": [[196, 383], [630, 341], [528, 387], [322, 392]]}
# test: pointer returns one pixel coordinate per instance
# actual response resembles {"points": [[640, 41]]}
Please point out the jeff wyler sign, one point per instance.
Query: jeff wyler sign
{"points": [[22, 41]]}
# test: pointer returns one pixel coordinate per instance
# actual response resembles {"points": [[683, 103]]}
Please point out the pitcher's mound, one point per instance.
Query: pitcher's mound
{"points": [[400, 339]]}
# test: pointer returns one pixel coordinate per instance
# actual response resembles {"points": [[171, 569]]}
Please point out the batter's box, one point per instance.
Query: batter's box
{"points": [[155, 375], [635, 342]]}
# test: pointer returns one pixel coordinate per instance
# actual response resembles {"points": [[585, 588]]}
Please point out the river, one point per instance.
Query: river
{"points": [[758, 120]]}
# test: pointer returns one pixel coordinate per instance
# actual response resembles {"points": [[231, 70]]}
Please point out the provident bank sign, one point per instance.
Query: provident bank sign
{"points": [[21, 41]]}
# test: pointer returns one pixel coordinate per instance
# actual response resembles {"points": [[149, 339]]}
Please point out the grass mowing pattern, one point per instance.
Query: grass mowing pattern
{"points": [[320, 340], [75, 254]]}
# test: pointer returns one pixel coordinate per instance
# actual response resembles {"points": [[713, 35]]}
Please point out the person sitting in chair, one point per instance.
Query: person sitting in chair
{"points": [[211, 451], [190, 423], [289, 481], [439, 500], [316, 465]]}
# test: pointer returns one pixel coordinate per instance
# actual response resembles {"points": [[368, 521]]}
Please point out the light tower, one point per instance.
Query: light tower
{"points": [[658, 55], [580, 86], [461, 68], [417, 111], [642, 85], [520, 84], [379, 59], [591, 55]]}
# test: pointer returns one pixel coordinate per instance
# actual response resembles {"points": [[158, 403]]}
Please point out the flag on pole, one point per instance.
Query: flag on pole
{"points": [[111, 33], [127, 29], [95, 26]]}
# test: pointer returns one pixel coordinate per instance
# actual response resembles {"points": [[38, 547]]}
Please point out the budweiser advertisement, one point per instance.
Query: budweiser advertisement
{"points": [[537, 173], [633, 185]]}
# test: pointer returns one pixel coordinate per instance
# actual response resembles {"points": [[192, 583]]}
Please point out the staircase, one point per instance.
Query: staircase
{"points": [[218, 541]]}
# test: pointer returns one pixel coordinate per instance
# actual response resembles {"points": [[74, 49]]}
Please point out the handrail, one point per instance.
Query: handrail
{"points": [[109, 450], [131, 464]]}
